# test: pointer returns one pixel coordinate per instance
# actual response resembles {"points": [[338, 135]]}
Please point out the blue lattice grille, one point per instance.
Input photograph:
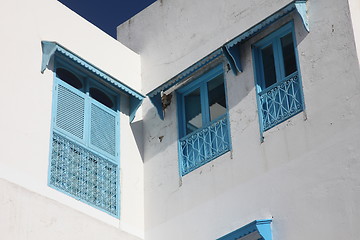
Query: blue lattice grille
{"points": [[203, 145], [103, 129], [280, 101], [84, 174], [70, 111]]}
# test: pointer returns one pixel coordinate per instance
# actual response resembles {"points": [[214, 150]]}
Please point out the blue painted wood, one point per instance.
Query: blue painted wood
{"points": [[213, 138], [53, 49], [155, 95], [281, 100], [198, 83], [301, 8], [234, 52], [230, 60], [186, 73], [263, 227], [156, 101], [84, 151], [231, 49]]}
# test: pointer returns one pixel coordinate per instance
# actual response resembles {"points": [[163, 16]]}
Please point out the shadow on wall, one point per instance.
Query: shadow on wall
{"points": [[137, 130], [161, 136]]}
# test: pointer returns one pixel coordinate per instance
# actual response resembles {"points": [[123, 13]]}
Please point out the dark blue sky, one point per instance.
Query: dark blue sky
{"points": [[107, 14]]}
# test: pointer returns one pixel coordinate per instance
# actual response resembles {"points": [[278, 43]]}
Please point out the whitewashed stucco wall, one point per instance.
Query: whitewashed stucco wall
{"points": [[355, 17], [26, 101], [169, 33], [304, 175]]}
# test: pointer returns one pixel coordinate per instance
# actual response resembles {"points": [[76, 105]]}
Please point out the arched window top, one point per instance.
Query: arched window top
{"points": [[101, 97], [69, 78]]}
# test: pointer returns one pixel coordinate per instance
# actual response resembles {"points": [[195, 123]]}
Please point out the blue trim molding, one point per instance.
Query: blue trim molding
{"points": [[260, 228], [50, 49], [281, 97], [233, 46], [230, 50], [155, 95]]}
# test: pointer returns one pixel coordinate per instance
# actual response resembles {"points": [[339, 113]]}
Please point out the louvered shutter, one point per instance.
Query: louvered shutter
{"points": [[103, 129], [70, 111]]}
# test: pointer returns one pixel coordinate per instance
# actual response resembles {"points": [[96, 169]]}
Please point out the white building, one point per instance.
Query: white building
{"points": [[248, 126]]}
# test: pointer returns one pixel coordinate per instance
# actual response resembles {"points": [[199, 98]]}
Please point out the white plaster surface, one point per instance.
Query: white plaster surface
{"points": [[26, 102], [31, 216], [305, 175], [169, 33], [354, 6]]}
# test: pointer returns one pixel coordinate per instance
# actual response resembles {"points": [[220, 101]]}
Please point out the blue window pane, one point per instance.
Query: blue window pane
{"points": [[280, 96], [193, 116], [216, 94], [287, 45], [268, 65]]}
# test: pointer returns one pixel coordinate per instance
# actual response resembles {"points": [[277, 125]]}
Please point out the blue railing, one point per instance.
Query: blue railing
{"points": [[84, 175], [203, 145], [280, 101]]}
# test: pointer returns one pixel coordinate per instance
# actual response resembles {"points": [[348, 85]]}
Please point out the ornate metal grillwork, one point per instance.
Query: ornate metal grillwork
{"points": [[280, 101], [203, 145], [84, 175]]}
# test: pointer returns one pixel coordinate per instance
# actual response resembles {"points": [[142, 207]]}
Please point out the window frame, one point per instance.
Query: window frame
{"points": [[207, 124], [274, 38], [88, 80], [201, 83]]}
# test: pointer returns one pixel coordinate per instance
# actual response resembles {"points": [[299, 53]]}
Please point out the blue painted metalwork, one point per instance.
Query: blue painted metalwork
{"points": [[84, 175], [204, 145], [204, 133], [262, 227], [280, 101], [231, 50], [84, 153], [52, 49]]}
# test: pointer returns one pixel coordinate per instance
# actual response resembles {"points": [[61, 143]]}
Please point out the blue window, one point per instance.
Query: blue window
{"points": [[84, 156], [203, 121], [277, 75]]}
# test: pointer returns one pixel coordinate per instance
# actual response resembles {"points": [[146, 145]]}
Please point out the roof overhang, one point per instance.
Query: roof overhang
{"points": [[258, 229], [230, 50], [52, 49]]}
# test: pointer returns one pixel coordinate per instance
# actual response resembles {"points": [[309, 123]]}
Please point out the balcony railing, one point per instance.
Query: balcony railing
{"points": [[84, 175], [204, 145], [280, 101]]}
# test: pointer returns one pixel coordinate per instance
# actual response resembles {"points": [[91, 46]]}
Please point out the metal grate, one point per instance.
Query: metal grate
{"points": [[84, 175], [280, 101], [203, 145], [103, 130], [70, 112]]}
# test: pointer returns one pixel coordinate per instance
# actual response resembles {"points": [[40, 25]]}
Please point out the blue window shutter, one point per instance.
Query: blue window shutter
{"points": [[280, 97], [70, 110], [103, 129], [209, 136]]}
